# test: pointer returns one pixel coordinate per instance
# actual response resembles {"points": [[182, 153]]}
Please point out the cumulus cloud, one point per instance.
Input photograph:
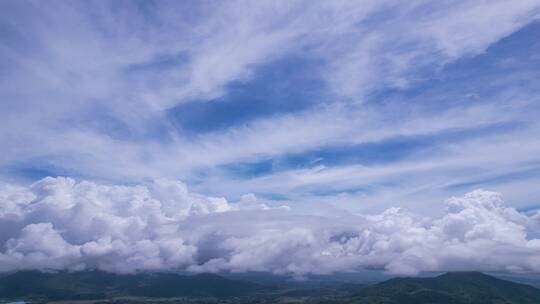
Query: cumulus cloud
{"points": [[58, 223]]}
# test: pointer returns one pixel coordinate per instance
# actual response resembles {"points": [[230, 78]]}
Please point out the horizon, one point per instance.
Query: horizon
{"points": [[298, 138], [359, 277]]}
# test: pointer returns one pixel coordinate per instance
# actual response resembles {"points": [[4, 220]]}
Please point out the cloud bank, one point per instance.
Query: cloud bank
{"points": [[58, 223]]}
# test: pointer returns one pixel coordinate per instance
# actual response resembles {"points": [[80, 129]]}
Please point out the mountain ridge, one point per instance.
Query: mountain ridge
{"points": [[450, 288], [95, 286], [101, 285]]}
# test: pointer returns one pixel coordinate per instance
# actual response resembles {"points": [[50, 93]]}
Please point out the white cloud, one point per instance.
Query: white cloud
{"points": [[85, 94], [58, 223], [437, 171], [96, 73]]}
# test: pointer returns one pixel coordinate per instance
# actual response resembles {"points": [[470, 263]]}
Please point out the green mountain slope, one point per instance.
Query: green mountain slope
{"points": [[450, 288], [99, 285]]}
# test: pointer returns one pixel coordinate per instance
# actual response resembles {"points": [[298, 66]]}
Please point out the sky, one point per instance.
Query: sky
{"points": [[293, 137]]}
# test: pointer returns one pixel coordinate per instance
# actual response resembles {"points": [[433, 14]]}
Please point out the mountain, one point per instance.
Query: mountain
{"points": [[99, 285], [449, 288], [533, 281]]}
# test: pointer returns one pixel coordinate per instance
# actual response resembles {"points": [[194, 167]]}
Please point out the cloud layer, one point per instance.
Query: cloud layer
{"points": [[93, 94], [332, 109], [57, 223]]}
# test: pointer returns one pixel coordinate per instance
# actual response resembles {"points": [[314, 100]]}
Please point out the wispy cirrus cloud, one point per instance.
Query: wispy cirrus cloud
{"points": [[340, 107]]}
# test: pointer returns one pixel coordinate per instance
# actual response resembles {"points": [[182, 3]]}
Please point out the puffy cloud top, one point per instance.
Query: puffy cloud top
{"points": [[58, 223]]}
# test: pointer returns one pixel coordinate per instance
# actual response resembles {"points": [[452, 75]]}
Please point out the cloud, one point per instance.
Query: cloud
{"points": [[58, 223], [437, 170], [88, 95], [105, 74]]}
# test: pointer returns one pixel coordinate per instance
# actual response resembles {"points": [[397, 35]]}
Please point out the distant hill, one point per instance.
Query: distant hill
{"points": [[100, 285], [533, 281], [450, 288]]}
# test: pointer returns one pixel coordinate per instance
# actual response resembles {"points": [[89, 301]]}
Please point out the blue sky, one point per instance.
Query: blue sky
{"points": [[295, 137], [361, 105]]}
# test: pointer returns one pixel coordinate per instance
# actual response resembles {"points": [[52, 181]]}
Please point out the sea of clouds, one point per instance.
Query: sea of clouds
{"points": [[61, 224]]}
